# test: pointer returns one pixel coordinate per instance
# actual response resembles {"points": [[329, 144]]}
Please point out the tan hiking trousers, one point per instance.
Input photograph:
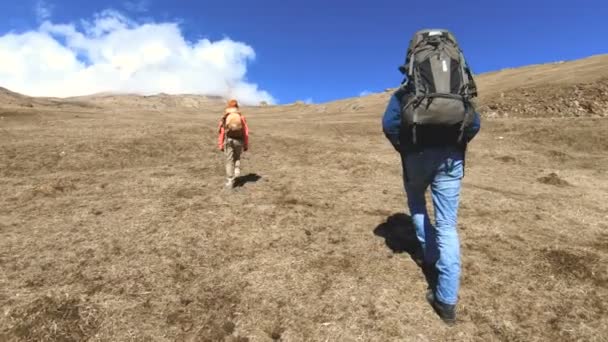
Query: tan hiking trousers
{"points": [[233, 148]]}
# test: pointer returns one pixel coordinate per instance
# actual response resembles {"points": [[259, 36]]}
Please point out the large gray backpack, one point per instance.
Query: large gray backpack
{"points": [[438, 90]]}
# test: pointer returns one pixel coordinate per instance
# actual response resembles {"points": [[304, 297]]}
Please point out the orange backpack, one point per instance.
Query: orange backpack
{"points": [[233, 125]]}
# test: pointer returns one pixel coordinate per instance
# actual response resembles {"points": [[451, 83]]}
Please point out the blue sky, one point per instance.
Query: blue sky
{"points": [[325, 50]]}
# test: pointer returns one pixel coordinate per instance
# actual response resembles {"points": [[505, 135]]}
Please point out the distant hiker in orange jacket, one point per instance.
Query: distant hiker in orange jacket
{"points": [[233, 140]]}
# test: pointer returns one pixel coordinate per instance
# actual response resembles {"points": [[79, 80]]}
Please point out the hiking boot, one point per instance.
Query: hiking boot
{"points": [[446, 312], [229, 184]]}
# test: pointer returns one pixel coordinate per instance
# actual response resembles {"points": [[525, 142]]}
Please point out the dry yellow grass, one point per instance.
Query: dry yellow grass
{"points": [[114, 227]]}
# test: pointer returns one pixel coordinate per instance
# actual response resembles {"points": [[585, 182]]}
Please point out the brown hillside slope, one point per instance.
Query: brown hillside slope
{"points": [[568, 89], [150, 102], [15, 101], [573, 88], [585, 70]]}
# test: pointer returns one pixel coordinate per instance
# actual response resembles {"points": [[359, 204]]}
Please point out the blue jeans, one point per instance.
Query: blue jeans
{"points": [[442, 170]]}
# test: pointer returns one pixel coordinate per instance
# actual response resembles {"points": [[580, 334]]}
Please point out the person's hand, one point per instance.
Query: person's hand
{"points": [[246, 148]]}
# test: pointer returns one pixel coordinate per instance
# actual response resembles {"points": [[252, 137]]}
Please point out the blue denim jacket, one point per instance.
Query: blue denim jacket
{"points": [[391, 123]]}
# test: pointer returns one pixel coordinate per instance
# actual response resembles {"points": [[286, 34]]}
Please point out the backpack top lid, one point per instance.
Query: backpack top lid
{"points": [[231, 110], [425, 35]]}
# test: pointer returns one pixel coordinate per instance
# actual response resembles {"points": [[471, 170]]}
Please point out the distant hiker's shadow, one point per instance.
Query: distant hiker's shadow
{"points": [[400, 236], [250, 178]]}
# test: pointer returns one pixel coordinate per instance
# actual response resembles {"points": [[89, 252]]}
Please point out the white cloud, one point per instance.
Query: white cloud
{"points": [[114, 53], [365, 93], [43, 10]]}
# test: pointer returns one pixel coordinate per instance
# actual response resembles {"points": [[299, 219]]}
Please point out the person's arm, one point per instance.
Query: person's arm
{"points": [[220, 139], [471, 130], [246, 131], [391, 122]]}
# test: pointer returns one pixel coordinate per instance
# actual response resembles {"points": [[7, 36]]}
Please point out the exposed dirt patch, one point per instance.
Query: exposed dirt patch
{"points": [[577, 265], [54, 318], [558, 155], [507, 159], [553, 179], [581, 100]]}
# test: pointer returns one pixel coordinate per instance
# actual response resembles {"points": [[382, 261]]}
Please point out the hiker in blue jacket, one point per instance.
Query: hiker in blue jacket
{"points": [[437, 161]]}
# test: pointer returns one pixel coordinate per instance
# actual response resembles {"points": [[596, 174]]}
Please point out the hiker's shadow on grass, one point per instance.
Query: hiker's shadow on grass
{"points": [[400, 237], [250, 178]]}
